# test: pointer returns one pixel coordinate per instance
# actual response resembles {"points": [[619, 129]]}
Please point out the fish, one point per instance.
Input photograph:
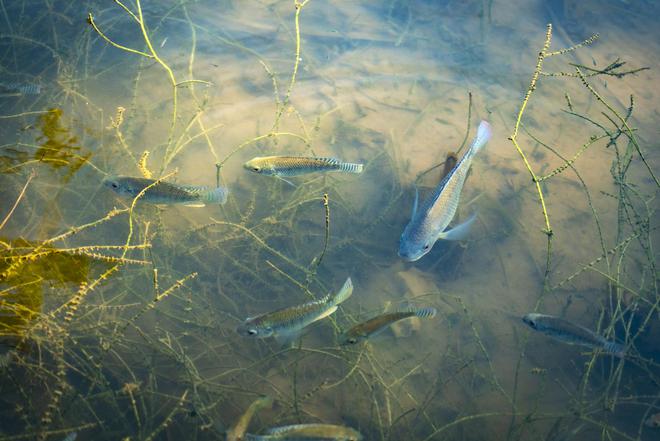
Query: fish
{"points": [[375, 325], [308, 432], [570, 333], [285, 323], [166, 193], [237, 431], [428, 222], [25, 89], [286, 166]]}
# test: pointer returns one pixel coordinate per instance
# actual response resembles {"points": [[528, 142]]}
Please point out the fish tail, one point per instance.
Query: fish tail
{"points": [[344, 293], [215, 196], [351, 168], [484, 133], [614, 348]]}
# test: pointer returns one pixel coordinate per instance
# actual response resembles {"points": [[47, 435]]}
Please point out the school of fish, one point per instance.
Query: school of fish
{"points": [[429, 222]]}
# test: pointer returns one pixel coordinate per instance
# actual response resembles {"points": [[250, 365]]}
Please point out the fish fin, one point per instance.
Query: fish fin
{"points": [[330, 160], [415, 204], [328, 312], [425, 312], [484, 133], [287, 181], [286, 339], [614, 348], [460, 231], [344, 166], [428, 312], [216, 196], [344, 293]]}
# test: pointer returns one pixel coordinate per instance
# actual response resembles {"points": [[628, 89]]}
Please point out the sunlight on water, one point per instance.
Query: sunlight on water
{"points": [[119, 318]]}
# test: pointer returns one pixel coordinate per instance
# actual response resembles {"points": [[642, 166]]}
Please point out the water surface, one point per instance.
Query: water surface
{"points": [[120, 322]]}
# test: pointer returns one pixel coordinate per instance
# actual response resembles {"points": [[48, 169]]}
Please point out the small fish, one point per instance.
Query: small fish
{"points": [[285, 166], [373, 326], [428, 223], [309, 432], [165, 192], [25, 89], [237, 432], [287, 322], [570, 333]]}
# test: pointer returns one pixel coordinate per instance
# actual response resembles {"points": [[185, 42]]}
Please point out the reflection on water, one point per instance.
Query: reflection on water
{"points": [[57, 146], [25, 269], [144, 346]]}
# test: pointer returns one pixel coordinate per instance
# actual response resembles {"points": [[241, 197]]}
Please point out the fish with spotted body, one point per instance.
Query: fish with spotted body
{"points": [[166, 193], [362, 331], [287, 166], [567, 332], [284, 324], [308, 432], [428, 223]]}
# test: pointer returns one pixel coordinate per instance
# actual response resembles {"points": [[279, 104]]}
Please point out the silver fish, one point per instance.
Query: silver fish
{"points": [[308, 432], [428, 223], [287, 322], [285, 166], [165, 192], [373, 326], [237, 431], [570, 333]]}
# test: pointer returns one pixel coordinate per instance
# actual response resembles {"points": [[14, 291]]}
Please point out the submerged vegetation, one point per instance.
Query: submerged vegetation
{"points": [[118, 318]]}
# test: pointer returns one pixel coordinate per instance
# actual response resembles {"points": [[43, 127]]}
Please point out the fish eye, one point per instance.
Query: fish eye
{"points": [[252, 331], [256, 169], [427, 246], [352, 340], [114, 185]]}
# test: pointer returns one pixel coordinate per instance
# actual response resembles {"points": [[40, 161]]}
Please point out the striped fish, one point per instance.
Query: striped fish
{"points": [[165, 192], [570, 333], [237, 431], [25, 89], [428, 223], [286, 323], [285, 166], [375, 325], [308, 432]]}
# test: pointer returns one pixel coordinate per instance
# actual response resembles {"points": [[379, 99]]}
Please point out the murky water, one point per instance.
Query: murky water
{"points": [[118, 321]]}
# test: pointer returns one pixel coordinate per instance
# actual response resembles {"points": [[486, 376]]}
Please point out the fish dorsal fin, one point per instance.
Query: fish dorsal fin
{"points": [[194, 189], [328, 312], [330, 160]]}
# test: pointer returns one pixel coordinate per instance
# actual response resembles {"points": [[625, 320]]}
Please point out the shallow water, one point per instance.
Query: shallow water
{"points": [[122, 323]]}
